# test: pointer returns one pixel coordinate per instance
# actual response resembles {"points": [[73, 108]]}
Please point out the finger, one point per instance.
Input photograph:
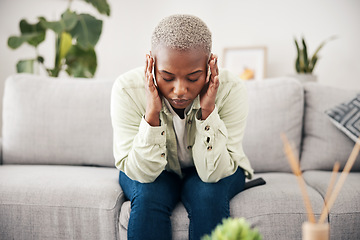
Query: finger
{"points": [[149, 65], [216, 82], [148, 74], [213, 69], [146, 64]]}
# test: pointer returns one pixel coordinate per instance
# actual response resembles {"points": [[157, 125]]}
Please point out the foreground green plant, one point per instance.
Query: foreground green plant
{"points": [[234, 229], [75, 38], [304, 63]]}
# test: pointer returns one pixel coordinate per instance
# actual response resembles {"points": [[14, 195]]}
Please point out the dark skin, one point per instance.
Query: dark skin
{"points": [[181, 76]]}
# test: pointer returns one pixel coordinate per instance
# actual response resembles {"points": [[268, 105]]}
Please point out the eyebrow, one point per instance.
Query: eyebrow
{"points": [[198, 71]]}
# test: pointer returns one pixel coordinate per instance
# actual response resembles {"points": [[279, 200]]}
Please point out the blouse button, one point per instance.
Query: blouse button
{"points": [[207, 128]]}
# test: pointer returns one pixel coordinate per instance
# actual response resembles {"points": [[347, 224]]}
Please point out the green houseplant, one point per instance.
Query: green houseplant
{"points": [[234, 229], [76, 35], [305, 63]]}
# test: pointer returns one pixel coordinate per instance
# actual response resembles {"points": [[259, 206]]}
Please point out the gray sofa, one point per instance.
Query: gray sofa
{"points": [[58, 180]]}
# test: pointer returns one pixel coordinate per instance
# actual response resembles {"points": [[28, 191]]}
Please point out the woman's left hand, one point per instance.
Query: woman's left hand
{"points": [[208, 93]]}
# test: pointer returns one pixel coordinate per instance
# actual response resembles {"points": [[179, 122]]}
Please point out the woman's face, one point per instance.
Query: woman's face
{"points": [[180, 75]]}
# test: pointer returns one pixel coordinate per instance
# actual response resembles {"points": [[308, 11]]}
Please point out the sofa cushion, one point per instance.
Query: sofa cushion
{"points": [[346, 117], [344, 216], [275, 107], [323, 143], [59, 202], [276, 209], [57, 121]]}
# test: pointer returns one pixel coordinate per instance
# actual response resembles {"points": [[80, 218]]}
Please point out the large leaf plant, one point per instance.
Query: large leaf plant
{"points": [[75, 38]]}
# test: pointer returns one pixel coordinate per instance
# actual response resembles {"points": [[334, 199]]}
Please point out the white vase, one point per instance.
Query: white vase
{"points": [[305, 77]]}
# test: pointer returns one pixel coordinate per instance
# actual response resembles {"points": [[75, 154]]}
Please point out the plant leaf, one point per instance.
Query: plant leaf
{"points": [[66, 23], [87, 31], [15, 42], [297, 61], [27, 28], [25, 66], [33, 34], [312, 63], [305, 56], [101, 5], [80, 62], [315, 57], [323, 43], [65, 44]]}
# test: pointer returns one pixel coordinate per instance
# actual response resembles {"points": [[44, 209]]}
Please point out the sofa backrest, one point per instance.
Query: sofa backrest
{"points": [[323, 143], [67, 121], [275, 107], [57, 121]]}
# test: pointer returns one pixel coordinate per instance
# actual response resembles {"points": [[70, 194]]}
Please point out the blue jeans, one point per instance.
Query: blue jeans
{"points": [[152, 203]]}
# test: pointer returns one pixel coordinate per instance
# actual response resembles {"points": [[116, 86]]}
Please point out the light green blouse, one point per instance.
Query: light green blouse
{"points": [[142, 152]]}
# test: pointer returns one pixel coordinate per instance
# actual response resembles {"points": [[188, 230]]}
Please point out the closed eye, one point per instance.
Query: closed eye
{"points": [[193, 80], [168, 79]]}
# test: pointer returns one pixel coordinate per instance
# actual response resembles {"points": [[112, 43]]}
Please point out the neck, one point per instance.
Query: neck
{"points": [[179, 112]]}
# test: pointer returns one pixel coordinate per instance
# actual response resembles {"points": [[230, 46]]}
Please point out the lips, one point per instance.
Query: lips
{"points": [[179, 102]]}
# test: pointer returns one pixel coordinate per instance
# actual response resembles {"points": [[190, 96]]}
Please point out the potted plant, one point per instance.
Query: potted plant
{"points": [[75, 38], [234, 229], [304, 63]]}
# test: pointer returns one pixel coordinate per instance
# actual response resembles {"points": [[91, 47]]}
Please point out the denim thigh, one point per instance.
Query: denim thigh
{"points": [[151, 205], [208, 203]]}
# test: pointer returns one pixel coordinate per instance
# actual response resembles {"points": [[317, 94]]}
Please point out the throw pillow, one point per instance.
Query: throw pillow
{"points": [[346, 116]]}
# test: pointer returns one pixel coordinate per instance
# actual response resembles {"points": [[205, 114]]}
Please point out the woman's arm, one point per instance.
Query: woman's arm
{"points": [[139, 149], [218, 151]]}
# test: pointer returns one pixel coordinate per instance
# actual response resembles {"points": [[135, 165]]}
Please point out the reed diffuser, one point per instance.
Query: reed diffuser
{"points": [[312, 229]]}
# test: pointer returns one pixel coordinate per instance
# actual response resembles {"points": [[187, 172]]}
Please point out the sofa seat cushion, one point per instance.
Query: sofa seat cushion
{"points": [[59, 202], [275, 107], [276, 209], [323, 143], [344, 216]]}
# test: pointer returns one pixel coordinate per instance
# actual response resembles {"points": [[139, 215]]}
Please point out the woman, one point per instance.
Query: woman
{"points": [[178, 130]]}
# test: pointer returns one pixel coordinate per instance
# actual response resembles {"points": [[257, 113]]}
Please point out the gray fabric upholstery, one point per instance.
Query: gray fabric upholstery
{"points": [[57, 121], [59, 202], [54, 128], [277, 209], [323, 143], [276, 106], [344, 216]]}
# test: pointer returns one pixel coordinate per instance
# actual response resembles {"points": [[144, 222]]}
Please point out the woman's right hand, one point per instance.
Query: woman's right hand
{"points": [[153, 98]]}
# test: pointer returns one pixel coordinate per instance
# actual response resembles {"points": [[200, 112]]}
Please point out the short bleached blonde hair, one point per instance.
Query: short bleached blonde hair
{"points": [[182, 32]]}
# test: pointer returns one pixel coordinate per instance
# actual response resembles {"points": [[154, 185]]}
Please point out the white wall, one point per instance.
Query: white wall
{"points": [[272, 23]]}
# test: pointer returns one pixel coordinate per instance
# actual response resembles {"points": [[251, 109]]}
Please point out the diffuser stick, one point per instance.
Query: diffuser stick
{"points": [[342, 178], [294, 163], [330, 187]]}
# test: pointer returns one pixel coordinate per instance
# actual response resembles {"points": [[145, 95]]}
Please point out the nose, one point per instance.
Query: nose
{"points": [[180, 88]]}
